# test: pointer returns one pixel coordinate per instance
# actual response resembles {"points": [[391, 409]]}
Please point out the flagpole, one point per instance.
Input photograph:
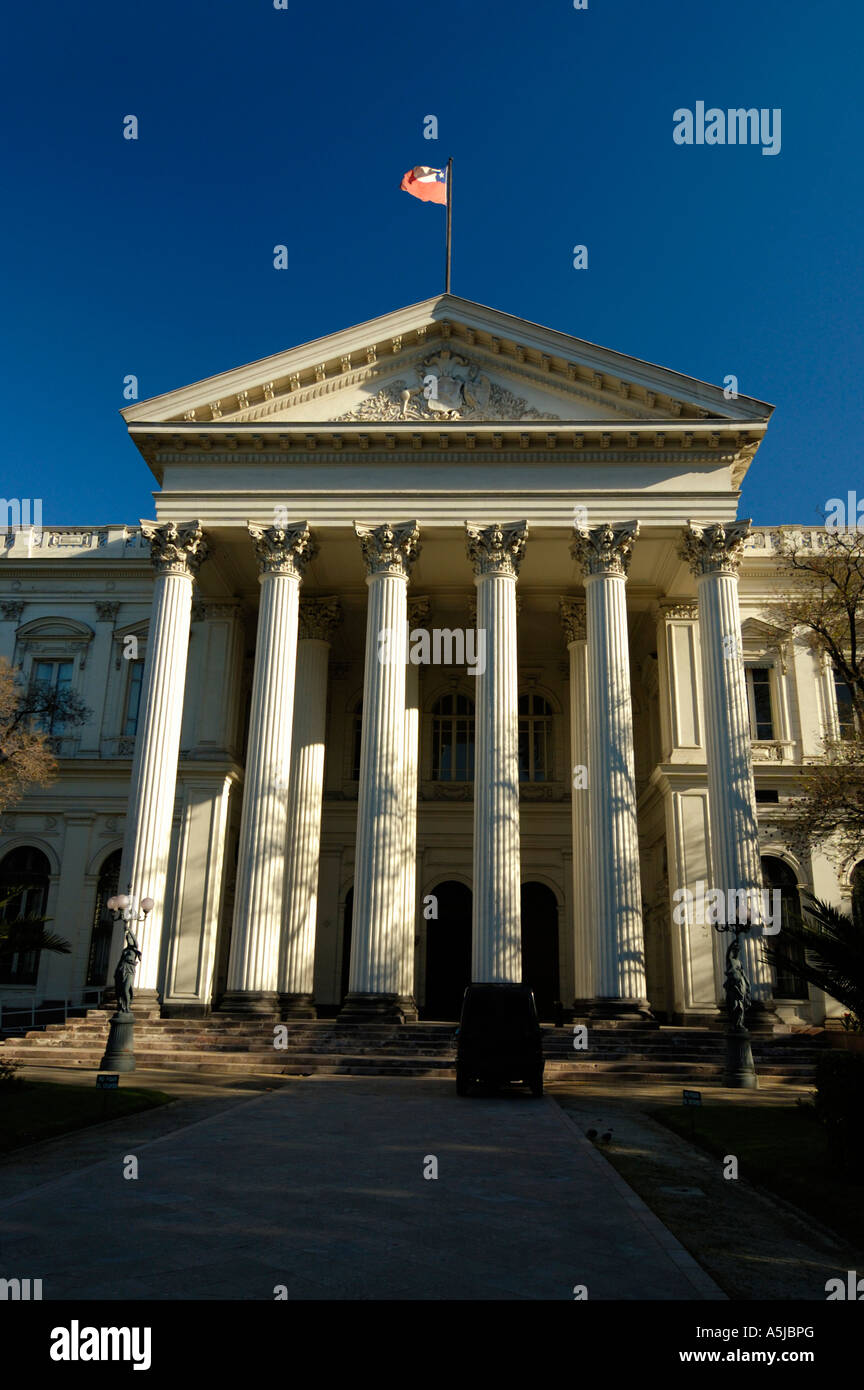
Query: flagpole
{"points": [[449, 224]]}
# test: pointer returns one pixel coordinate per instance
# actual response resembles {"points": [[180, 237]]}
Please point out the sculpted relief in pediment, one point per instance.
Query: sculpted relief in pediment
{"points": [[448, 387]]}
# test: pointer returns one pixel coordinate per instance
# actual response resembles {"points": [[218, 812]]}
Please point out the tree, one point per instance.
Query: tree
{"points": [[825, 603], [26, 933], [27, 716], [833, 946]]}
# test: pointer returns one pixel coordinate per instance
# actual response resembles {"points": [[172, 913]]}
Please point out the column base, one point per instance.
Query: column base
{"points": [[250, 1002], [762, 1017], [629, 1012], [372, 1008], [185, 1009], [297, 1006]]}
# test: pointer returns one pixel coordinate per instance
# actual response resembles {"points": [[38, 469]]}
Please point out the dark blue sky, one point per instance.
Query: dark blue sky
{"points": [[260, 126]]}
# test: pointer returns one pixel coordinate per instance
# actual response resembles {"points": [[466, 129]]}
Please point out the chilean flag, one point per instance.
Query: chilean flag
{"points": [[430, 185]]}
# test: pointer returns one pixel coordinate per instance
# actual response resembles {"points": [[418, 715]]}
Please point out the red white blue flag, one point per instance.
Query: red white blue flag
{"points": [[430, 185]]}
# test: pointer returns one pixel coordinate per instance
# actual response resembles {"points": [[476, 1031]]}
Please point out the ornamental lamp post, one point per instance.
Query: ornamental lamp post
{"points": [[120, 1050], [740, 1071]]}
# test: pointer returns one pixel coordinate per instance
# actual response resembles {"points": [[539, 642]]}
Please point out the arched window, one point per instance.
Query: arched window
{"points": [[103, 923], [535, 739], [356, 740], [453, 739], [858, 895], [25, 869], [776, 874]]}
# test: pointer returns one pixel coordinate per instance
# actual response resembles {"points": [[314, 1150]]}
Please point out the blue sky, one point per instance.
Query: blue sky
{"points": [[260, 126]]}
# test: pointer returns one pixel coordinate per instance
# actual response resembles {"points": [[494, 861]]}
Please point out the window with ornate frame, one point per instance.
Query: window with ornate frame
{"points": [[55, 675], [760, 703], [132, 706]]}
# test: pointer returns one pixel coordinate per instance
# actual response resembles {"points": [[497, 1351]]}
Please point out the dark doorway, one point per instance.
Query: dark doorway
{"points": [[346, 943], [448, 951], [103, 924], [540, 946], [776, 873]]}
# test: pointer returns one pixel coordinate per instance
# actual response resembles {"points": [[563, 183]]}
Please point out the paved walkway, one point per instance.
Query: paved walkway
{"points": [[319, 1186]]}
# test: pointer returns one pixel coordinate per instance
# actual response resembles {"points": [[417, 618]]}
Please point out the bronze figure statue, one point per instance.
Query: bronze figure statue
{"points": [[736, 985], [125, 972]]}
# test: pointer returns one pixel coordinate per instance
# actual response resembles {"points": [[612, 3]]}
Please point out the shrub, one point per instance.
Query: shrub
{"points": [[7, 1073], [840, 1107]]}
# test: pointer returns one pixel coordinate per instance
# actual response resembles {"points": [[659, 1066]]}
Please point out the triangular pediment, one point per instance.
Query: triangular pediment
{"points": [[446, 359]]}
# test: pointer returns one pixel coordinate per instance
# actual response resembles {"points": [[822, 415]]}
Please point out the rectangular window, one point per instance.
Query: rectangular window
{"points": [[54, 675], [845, 713], [759, 702], [133, 699]]}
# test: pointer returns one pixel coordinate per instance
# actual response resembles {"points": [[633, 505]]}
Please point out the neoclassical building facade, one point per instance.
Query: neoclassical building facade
{"points": [[444, 657]]}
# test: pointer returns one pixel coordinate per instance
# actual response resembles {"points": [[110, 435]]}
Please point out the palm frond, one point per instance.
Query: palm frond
{"points": [[833, 946]]}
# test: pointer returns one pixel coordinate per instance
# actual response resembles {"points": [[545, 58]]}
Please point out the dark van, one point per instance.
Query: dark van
{"points": [[499, 1038]]}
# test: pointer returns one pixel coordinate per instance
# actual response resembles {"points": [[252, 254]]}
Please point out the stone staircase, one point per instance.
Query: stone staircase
{"points": [[241, 1047]]}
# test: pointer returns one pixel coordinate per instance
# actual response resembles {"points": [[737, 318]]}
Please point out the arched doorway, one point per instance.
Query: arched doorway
{"points": [[24, 878], [776, 873], [448, 951], [103, 924], [540, 945], [347, 921]]}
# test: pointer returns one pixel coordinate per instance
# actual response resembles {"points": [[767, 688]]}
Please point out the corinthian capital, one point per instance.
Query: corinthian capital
{"points": [[175, 549], [714, 549], [389, 549], [572, 612], [282, 549], [604, 549], [319, 617], [496, 549]]}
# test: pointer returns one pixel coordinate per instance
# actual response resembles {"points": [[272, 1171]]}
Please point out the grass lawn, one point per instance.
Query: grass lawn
{"points": [[781, 1148], [34, 1110]]}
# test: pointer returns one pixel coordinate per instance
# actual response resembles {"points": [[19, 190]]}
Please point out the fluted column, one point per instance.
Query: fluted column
{"points": [[496, 553], [318, 618], [377, 938], [176, 553], [283, 553], [604, 554], [418, 613], [584, 922], [714, 555]]}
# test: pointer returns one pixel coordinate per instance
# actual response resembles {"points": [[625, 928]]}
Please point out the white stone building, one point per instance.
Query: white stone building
{"points": [[318, 818]]}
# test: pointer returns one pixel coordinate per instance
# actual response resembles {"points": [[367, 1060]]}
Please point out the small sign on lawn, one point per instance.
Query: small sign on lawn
{"points": [[692, 1097], [106, 1081]]}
